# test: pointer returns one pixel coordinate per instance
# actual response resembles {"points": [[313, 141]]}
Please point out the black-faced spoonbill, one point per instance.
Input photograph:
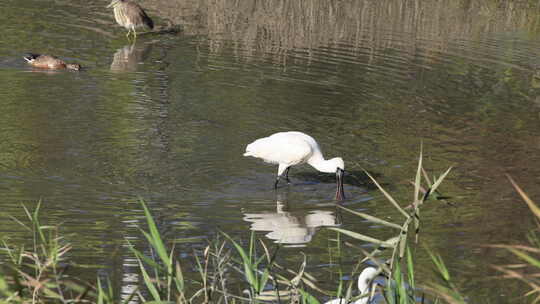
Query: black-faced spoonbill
{"points": [[365, 285], [293, 148]]}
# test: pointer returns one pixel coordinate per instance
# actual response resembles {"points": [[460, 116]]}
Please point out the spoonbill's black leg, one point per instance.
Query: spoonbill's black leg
{"points": [[287, 175]]}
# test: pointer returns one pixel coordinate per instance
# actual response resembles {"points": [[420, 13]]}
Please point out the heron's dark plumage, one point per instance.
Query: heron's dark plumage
{"points": [[146, 20], [130, 15]]}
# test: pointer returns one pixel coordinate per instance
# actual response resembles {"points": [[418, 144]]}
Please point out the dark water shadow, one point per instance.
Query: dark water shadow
{"points": [[168, 29], [355, 178]]}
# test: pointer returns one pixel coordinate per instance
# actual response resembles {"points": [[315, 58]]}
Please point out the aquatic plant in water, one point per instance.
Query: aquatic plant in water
{"points": [[40, 274]]}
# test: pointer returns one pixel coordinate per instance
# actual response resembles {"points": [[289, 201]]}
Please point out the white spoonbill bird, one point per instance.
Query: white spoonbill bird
{"points": [[293, 148], [365, 284]]}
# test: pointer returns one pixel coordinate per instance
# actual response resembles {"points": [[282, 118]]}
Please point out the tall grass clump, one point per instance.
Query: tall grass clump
{"points": [[38, 273], [398, 264], [164, 280], [229, 271]]}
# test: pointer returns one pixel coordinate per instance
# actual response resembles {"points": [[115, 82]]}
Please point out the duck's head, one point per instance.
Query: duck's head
{"points": [[73, 66]]}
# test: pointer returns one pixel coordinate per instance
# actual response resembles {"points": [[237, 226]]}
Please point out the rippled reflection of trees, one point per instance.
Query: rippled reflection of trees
{"points": [[275, 26]]}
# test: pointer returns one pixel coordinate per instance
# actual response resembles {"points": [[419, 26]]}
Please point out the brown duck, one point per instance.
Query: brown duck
{"points": [[50, 62]]}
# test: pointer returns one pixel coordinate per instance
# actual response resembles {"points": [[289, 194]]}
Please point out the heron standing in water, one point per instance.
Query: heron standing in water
{"points": [[130, 15]]}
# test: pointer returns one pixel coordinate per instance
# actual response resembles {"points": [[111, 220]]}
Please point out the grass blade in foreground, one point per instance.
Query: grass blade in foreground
{"points": [[249, 269], [362, 237]]}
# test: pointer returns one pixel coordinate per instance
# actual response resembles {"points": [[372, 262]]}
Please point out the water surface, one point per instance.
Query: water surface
{"points": [[167, 119]]}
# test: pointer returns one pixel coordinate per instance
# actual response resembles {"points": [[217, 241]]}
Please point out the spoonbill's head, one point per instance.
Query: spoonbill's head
{"points": [[366, 284], [338, 162], [340, 170], [366, 279]]}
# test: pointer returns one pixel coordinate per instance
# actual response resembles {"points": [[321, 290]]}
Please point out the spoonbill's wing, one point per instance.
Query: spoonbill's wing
{"points": [[287, 150]]}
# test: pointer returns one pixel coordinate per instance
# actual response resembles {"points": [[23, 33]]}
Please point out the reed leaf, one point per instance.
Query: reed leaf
{"points": [[438, 182], [417, 180], [410, 268], [371, 218], [139, 255], [308, 298], [527, 258], [19, 222], [149, 284], [246, 261], [369, 256], [348, 293], [170, 276], [340, 285], [362, 237], [274, 295], [441, 267], [155, 238], [534, 208], [388, 196], [179, 278], [264, 279], [296, 280], [101, 293]]}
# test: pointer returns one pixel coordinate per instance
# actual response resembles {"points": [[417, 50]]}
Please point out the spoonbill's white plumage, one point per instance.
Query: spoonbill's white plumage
{"points": [[365, 284], [293, 148]]}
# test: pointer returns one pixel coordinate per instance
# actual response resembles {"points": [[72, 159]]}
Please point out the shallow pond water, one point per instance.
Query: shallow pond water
{"points": [[167, 119]]}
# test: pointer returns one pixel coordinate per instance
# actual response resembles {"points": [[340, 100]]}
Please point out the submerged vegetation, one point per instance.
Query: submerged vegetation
{"points": [[41, 273]]}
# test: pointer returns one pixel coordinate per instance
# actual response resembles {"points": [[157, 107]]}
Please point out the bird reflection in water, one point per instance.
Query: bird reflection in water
{"points": [[130, 271], [130, 285], [127, 59], [286, 228]]}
